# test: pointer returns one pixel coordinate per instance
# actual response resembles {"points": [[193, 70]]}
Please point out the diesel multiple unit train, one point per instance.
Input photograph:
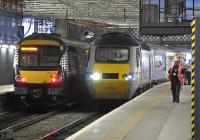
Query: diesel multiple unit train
{"points": [[119, 65], [48, 70]]}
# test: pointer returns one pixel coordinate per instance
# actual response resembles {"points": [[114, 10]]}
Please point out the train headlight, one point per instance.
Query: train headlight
{"points": [[95, 76], [128, 76]]}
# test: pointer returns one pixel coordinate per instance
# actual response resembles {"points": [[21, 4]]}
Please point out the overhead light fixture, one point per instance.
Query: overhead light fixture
{"points": [[12, 47], [4, 46]]}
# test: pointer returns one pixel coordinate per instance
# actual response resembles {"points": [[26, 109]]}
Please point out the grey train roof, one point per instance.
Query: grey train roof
{"points": [[116, 39], [36, 36]]}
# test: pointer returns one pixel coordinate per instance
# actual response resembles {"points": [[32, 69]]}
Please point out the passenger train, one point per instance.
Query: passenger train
{"points": [[119, 65], [48, 70]]}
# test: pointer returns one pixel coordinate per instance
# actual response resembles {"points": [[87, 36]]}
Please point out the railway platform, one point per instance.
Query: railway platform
{"points": [[150, 116], [6, 88]]}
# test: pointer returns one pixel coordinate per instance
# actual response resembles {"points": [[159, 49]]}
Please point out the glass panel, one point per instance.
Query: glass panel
{"points": [[138, 57], [175, 7], [197, 13], [189, 14], [146, 1], [189, 3], [45, 56], [112, 54], [158, 62], [162, 3], [49, 56], [197, 4], [29, 59], [155, 2]]}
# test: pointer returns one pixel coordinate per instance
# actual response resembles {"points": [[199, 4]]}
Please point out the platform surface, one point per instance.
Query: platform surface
{"points": [[150, 116], [6, 88]]}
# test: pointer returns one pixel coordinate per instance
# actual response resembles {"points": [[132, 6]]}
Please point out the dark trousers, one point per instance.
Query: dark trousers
{"points": [[176, 91], [188, 76]]}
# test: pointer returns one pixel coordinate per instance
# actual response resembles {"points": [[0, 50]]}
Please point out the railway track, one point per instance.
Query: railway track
{"points": [[58, 125], [56, 133], [8, 115], [7, 133]]}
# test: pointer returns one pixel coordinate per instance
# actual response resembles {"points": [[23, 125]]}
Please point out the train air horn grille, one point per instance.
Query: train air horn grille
{"points": [[110, 76]]}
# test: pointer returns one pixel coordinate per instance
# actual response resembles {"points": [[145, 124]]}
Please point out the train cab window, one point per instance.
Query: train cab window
{"points": [[39, 56], [104, 54], [138, 57], [49, 56], [28, 59]]}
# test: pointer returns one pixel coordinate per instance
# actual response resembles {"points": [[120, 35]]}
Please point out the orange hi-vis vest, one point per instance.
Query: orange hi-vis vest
{"points": [[180, 75]]}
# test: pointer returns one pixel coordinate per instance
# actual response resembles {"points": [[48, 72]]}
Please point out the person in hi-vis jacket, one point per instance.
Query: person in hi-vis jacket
{"points": [[175, 75]]}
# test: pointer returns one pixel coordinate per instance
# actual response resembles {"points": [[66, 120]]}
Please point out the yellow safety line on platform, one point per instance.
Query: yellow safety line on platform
{"points": [[123, 129], [193, 79]]}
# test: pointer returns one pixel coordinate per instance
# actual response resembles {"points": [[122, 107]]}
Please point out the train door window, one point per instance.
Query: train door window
{"points": [[158, 62], [138, 57]]}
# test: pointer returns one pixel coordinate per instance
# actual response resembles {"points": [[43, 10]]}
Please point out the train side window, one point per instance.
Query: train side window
{"points": [[138, 57]]}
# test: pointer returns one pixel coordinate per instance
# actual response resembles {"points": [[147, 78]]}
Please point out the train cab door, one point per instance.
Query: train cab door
{"points": [[138, 64], [145, 66], [151, 67]]}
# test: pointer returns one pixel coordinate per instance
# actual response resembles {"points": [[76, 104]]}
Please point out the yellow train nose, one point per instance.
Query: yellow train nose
{"points": [[111, 90], [37, 77]]}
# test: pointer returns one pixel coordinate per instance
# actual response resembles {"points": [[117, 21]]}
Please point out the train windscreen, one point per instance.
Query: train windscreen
{"points": [[104, 54], [39, 56]]}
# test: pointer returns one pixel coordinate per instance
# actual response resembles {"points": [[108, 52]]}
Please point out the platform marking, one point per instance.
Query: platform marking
{"points": [[193, 79], [82, 131], [130, 123]]}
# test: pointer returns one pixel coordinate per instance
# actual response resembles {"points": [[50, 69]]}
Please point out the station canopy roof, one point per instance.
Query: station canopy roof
{"points": [[117, 12]]}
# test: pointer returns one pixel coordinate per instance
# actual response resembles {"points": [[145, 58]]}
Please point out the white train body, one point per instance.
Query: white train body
{"points": [[111, 78]]}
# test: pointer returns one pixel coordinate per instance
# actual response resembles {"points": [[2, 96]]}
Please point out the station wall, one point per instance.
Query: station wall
{"points": [[6, 65]]}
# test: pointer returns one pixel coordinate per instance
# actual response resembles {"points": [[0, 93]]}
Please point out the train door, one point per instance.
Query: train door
{"points": [[138, 63], [151, 54], [145, 66]]}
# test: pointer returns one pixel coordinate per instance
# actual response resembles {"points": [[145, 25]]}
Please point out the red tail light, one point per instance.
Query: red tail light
{"points": [[20, 79], [56, 79], [53, 80]]}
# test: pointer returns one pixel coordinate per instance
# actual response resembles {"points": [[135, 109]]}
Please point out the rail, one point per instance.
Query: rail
{"points": [[7, 133], [65, 128]]}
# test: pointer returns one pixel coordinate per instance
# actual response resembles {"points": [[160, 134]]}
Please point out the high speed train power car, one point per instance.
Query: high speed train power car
{"points": [[48, 70], [118, 66]]}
